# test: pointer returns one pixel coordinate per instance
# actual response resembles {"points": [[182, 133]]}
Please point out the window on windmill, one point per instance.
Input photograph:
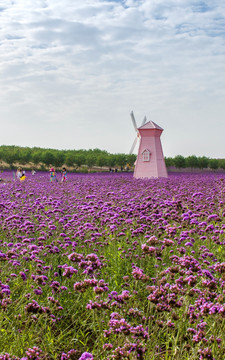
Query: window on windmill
{"points": [[146, 155]]}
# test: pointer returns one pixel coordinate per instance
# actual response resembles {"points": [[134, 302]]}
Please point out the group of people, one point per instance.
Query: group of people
{"points": [[53, 176], [20, 174], [113, 170]]}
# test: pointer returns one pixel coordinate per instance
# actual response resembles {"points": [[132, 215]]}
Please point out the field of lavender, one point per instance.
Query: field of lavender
{"points": [[107, 267]]}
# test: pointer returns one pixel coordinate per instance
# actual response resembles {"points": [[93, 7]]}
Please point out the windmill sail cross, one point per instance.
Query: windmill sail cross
{"points": [[136, 129]]}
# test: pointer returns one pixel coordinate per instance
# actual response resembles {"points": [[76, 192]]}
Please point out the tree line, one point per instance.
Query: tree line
{"points": [[36, 157], [195, 162]]}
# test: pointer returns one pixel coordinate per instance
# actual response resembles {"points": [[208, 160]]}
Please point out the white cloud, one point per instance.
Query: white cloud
{"points": [[77, 68]]}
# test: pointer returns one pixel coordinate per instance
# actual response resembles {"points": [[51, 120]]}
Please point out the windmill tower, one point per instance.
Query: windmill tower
{"points": [[150, 160]]}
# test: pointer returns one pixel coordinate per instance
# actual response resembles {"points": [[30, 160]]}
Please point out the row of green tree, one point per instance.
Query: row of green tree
{"points": [[195, 162], [72, 158], [94, 157]]}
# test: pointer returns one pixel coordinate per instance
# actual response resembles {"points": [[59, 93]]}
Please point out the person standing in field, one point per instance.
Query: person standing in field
{"points": [[19, 173], [53, 175], [23, 176], [64, 174]]}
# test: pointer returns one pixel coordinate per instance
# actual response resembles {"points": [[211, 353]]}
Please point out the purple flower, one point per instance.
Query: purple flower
{"points": [[23, 275], [86, 356]]}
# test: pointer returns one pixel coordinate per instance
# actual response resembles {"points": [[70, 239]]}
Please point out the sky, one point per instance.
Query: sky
{"points": [[71, 72]]}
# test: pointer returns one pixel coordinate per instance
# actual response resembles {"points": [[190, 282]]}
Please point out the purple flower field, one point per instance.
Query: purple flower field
{"points": [[108, 267]]}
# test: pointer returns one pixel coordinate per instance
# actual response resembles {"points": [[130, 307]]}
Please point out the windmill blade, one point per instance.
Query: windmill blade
{"points": [[144, 121], [133, 145], [133, 120]]}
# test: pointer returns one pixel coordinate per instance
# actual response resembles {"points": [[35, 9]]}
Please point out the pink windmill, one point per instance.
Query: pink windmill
{"points": [[150, 161]]}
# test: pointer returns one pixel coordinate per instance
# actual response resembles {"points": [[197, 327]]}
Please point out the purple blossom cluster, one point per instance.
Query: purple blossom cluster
{"points": [[108, 267]]}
